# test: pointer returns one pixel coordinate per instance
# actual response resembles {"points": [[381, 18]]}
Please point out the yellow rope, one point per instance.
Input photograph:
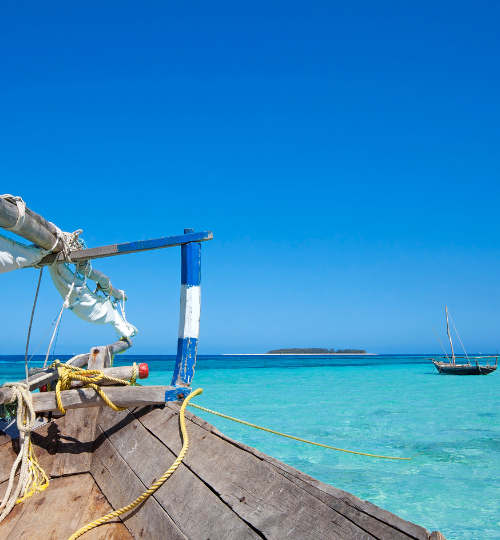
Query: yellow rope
{"points": [[90, 377], [299, 439], [37, 479], [157, 484]]}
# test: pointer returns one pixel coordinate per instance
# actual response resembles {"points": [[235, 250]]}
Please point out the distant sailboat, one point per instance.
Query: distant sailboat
{"points": [[450, 367]]}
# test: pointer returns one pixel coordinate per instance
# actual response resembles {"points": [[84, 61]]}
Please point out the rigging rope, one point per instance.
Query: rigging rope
{"points": [[157, 484], [302, 440], [459, 337], [441, 344], [32, 477], [90, 377], [31, 323], [64, 306]]}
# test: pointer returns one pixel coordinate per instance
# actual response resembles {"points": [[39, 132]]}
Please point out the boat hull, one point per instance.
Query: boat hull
{"points": [[100, 460], [463, 369]]}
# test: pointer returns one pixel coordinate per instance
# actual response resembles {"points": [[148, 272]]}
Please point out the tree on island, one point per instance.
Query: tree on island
{"points": [[316, 351]]}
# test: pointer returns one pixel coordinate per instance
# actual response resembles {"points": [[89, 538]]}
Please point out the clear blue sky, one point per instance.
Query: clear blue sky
{"points": [[345, 155]]}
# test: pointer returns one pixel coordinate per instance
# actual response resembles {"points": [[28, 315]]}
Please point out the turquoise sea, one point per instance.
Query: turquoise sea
{"points": [[391, 405]]}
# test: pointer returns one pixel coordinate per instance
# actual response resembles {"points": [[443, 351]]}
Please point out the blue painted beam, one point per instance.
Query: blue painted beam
{"points": [[189, 319], [129, 247]]}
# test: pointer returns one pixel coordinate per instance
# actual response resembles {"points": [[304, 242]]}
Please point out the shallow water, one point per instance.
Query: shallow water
{"points": [[390, 405]]}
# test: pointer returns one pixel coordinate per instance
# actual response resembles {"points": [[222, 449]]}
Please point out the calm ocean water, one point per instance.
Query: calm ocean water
{"points": [[391, 405]]}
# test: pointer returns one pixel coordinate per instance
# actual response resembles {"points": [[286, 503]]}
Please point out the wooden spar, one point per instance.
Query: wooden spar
{"points": [[43, 233], [36, 229], [449, 336], [128, 247], [121, 396], [41, 378], [124, 373]]}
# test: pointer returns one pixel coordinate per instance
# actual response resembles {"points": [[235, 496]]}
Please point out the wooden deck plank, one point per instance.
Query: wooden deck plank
{"points": [[190, 503], [97, 507], [75, 443], [61, 510], [7, 457], [121, 486], [11, 521], [253, 488], [44, 442]]}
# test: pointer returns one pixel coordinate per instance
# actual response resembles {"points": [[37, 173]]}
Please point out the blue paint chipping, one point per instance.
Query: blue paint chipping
{"points": [[191, 264], [165, 241], [185, 361], [177, 394]]}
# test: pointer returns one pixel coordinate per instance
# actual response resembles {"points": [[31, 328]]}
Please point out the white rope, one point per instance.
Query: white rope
{"points": [[70, 242], [21, 211], [25, 421]]}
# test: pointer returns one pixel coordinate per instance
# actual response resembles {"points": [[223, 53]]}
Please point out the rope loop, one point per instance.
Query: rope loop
{"points": [[21, 212], [91, 378]]}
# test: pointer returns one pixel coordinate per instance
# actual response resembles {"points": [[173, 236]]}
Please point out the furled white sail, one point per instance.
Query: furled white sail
{"points": [[14, 255], [89, 306]]}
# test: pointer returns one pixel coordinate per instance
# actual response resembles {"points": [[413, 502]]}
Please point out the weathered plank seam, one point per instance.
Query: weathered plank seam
{"points": [[254, 529], [117, 481], [109, 502]]}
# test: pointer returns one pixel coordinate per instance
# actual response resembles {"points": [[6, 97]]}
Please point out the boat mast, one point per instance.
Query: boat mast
{"points": [[449, 336]]}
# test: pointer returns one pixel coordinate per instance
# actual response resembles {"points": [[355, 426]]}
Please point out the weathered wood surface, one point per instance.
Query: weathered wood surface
{"points": [[192, 505], [123, 373], [124, 396], [228, 467], [257, 492], [436, 535], [75, 443], [121, 486], [41, 378], [69, 503], [44, 440], [223, 490], [36, 229], [100, 358]]}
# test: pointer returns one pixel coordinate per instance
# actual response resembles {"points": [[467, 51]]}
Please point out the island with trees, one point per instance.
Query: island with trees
{"points": [[316, 351]]}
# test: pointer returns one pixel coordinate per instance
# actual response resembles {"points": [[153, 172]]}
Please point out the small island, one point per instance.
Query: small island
{"points": [[316, 351]]}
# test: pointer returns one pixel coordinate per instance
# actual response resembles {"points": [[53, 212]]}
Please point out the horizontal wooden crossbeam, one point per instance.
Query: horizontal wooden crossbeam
{"points": [[128, 247]]}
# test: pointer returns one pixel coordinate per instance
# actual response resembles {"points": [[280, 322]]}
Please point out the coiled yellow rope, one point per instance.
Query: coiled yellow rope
{"points": [[68, 373], [157, 484], [299, 439]]}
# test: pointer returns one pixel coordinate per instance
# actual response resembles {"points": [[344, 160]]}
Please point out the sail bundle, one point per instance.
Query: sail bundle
{"points": [[14, 255], [79, 299]]}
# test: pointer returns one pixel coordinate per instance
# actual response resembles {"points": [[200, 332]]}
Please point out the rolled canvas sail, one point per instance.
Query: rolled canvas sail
{"points": [[88, 306], [14, 255]]}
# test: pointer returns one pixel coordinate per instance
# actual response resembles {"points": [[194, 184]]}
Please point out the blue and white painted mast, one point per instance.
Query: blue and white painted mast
{"points": [[189, 320]]}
